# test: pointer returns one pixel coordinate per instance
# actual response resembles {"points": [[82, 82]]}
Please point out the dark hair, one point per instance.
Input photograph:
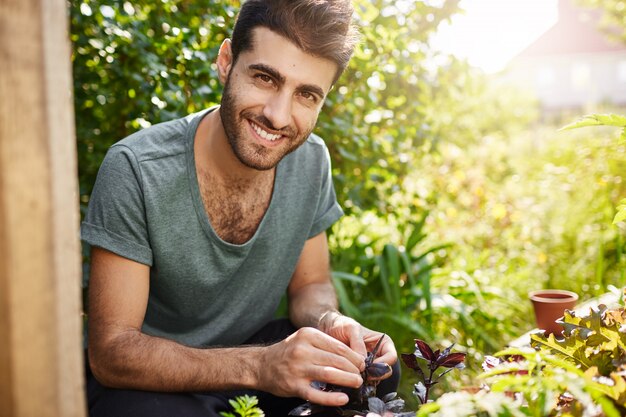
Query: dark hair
{"points": [[322, 28]]}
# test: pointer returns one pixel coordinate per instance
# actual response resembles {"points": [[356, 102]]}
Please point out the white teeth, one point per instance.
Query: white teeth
{"points": [[264, 134]]}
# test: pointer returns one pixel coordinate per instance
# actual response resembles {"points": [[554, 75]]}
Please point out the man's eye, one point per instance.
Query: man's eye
{"points": [[264, 78], [309, 96]]}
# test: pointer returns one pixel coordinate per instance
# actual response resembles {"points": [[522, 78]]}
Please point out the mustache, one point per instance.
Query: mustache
{"points": [[265, 122]]}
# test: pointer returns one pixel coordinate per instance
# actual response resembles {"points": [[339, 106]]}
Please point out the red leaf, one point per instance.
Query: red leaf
{"points": [[378, 371], [451, 360], [409, 360], [425, 350]]}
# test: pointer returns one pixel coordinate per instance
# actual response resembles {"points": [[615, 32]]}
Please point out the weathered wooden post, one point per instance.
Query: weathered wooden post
{"points": [[40, 323]]}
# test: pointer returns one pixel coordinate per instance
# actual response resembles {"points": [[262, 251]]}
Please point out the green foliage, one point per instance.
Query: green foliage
{"points": [[377, 116], [599, 120], [244, 406], [389, 286], [140, 63], [605, 120], [466, 404], [529, 211], [548, 385], [584, 373], [399, 98], [596, 344]]}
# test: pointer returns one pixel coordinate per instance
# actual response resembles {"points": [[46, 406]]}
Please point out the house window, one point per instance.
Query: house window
{"points": [[545, 76], [621, 71], [581, 75]]}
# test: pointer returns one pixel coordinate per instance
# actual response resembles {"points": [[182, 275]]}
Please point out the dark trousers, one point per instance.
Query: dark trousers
{"points": [[111, 402]]}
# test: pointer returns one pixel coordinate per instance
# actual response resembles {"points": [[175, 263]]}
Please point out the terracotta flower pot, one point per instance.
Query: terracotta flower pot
{"points": [[549, 306]]}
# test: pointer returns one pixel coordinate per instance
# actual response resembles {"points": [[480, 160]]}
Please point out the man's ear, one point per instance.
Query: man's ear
{"points": [[224, 60]]}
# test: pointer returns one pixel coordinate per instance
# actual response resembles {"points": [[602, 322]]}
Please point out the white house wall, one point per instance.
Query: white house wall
{"points": [[572, 81]]}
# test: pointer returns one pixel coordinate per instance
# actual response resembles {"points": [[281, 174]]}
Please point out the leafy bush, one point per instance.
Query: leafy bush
{"points": [[526, 212], [140, 63], [584, 374], [390, 288], [596, 344]]}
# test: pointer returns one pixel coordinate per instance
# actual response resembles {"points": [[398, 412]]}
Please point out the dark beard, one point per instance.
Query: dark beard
{"points": [[233, 126]]}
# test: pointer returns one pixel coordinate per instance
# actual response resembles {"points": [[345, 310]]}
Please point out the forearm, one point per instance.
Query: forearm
{"points": [[312, 302], [137, 361], [315, 305]]}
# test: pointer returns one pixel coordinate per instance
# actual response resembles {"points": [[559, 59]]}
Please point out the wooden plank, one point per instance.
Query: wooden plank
{"points": [[65, 211], [40, 324]]}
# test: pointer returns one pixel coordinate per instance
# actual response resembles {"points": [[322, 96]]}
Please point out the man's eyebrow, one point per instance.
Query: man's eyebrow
{"points": [[281, 79]]}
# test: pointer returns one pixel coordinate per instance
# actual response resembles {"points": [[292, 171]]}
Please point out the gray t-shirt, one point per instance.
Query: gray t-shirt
{"points": [[146, 206]]}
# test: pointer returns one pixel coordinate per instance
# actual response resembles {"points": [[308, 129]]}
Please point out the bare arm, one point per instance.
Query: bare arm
{"points": [[311, 292], [122, 356], [313, 302]]}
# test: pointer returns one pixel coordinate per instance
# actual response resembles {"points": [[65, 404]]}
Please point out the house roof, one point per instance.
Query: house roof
{"points": [[576, 31]]}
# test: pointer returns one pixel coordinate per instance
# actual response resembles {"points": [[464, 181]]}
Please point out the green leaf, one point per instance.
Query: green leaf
{"points": [[346, 304], [597, 120], [620, 216], [417, 235], [345, 276], [384, 279], [411, 325], [571, 348], [392, 256]]}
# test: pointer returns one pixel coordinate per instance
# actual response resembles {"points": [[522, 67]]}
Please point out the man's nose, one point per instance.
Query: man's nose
{"points": [[278, 110]]}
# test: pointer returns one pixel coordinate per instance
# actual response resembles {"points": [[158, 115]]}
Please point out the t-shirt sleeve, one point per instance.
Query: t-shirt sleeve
{"points": [[328, 209], [115, 218]]}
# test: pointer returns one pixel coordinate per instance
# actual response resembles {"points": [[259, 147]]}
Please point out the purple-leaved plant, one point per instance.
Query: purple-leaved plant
{"points": [[434, 360], [360, 398]]}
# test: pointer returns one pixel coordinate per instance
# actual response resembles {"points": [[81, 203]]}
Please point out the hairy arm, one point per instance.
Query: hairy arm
{"points": [[121, 356]]}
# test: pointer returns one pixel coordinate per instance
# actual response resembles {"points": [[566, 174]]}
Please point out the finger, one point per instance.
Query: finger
{"points": [[324, 358], [389, 358], [335, 376], [330, 344], [387, 352], [332, 399], [356, 341]]}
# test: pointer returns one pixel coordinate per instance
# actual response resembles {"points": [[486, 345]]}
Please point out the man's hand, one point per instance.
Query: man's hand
{"points": [[289, 367], [360, 339], [318, 354]]}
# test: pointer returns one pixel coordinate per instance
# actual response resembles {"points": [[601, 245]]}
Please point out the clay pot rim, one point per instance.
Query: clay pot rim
{"points": [[537, 296]]}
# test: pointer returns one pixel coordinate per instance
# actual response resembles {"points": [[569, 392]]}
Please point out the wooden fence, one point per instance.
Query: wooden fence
{"points": [[40, 310]]}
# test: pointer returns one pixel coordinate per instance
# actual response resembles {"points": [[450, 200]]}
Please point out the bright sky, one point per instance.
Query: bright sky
{"points": [[491, 32]]}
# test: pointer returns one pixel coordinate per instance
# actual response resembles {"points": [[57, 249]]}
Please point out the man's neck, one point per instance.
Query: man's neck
{"points": [[215, 155]]}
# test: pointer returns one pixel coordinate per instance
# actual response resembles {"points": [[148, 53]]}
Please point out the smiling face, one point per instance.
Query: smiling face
{"points": [[272, 97]]}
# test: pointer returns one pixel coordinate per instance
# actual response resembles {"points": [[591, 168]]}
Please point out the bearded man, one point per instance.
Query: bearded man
{"points": [[198, 227]]}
